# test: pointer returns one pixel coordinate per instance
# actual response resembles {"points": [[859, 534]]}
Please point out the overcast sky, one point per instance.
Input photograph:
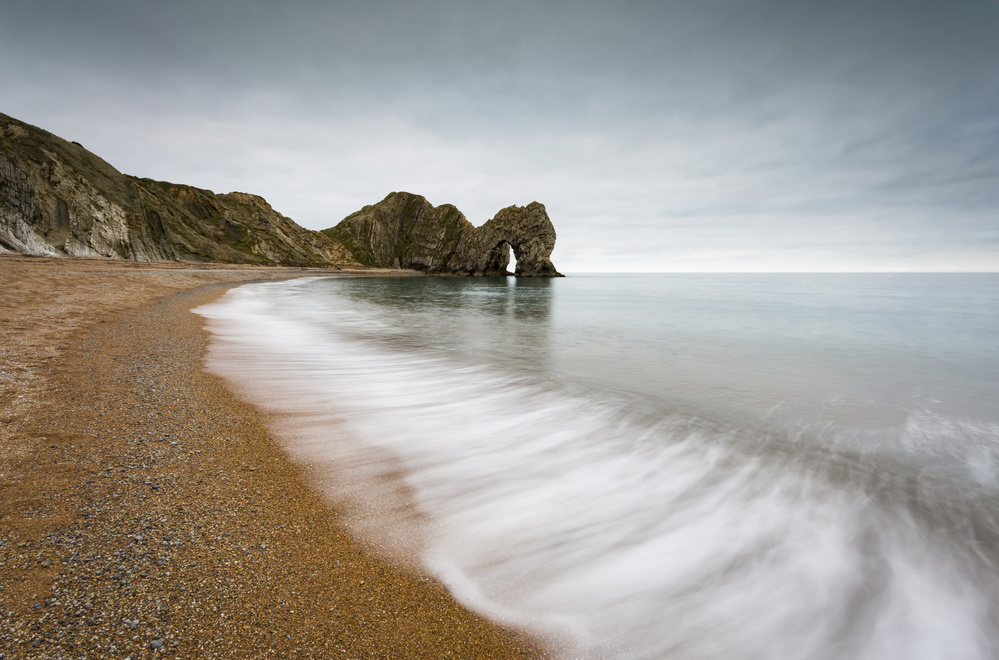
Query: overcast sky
{"points": [[708, 135]]}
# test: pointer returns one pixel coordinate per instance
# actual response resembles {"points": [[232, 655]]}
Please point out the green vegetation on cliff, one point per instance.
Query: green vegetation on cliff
{"points": [[57, 198], [406, 231]]}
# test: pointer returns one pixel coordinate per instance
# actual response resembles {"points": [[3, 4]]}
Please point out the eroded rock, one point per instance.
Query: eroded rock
{"points": [[406, 231], [57, 198]]}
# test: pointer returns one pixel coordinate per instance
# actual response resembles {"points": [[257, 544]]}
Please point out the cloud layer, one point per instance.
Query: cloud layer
{"points": [[707, 135]]}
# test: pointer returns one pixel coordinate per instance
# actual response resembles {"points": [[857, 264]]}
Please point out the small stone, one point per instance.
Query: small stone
{"points": [[155, 644], [46, 563]]}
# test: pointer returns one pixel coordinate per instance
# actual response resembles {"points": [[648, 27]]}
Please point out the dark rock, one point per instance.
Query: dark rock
{"points": [[529, 233], [406, 231], [57, 198]]}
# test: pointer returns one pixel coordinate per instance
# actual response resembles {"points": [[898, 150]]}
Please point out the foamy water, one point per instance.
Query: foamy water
{"points": [[655, 468]]}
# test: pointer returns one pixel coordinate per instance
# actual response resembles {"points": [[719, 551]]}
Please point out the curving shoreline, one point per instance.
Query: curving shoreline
{"points": [[140, 499]]}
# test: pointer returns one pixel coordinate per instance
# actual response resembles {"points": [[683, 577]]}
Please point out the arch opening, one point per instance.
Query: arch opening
{"points": [[499, 259]]}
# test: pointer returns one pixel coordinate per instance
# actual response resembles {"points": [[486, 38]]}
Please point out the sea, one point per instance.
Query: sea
{"points": [[709, 466]]}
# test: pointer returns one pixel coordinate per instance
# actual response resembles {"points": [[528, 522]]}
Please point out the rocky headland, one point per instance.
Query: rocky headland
{"points": [[57, 198], [406, 231]]}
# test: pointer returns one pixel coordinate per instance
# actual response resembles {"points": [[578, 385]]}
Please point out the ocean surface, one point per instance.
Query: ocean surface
{"points": [[657, 466]]}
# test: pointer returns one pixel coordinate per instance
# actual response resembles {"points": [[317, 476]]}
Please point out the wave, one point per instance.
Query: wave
{"points": [[629, 533]]}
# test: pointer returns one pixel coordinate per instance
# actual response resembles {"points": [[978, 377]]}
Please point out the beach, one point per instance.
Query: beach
{"points": [[147, 510]]}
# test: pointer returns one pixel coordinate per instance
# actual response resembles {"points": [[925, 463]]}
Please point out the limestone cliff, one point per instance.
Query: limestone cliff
{"points": [[58, 198], [406, 231]]}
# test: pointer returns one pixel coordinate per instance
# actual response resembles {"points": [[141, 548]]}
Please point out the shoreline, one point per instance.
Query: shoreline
{"points": [[144, 507]]}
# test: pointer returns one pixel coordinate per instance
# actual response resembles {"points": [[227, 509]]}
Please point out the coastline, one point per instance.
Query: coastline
{"points": [[145, 507]]}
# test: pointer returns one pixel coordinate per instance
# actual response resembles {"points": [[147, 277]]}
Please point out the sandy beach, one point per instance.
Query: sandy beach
{"points": [[146, 511]]}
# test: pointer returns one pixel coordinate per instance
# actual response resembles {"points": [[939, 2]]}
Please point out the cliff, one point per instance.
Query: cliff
{"points": [[58, 198], [406, 231]]}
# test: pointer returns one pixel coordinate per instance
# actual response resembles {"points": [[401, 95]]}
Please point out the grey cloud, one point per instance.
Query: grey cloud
{"points": [[724, 126]]}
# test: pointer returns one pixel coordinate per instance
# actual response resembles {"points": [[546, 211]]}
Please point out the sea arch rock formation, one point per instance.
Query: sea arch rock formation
{"points": [[57, 199], [406, 231], [530, 234]]}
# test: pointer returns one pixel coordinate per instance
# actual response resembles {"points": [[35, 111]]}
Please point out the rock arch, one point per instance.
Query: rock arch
{"points": [[498, 259], [530, 233], [405, 230]]}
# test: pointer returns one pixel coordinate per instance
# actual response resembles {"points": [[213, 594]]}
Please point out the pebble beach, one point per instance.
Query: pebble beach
{"points": [[145, 511]]}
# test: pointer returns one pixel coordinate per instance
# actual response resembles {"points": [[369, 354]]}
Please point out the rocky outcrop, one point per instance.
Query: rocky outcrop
{"points": [[58, 198], [406, 231], [528, 232]]}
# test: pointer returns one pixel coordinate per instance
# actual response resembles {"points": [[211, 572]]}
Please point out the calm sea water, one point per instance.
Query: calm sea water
{"points": [[658, 466]]}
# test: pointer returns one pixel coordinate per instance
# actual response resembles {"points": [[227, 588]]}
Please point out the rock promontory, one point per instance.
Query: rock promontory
{"points": [[406, 231], [58, 198]]}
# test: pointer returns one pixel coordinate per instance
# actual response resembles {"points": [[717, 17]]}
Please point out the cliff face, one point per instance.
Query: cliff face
{"points": [[58, 198], [405, 231]]}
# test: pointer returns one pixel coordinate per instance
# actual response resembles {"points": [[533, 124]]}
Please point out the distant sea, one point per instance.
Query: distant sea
{"points": [[657, 466]]}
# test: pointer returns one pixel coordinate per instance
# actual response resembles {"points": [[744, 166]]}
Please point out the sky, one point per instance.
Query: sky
{"points": [[700, 135]]}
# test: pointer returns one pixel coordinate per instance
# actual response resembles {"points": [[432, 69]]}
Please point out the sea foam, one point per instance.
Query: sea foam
{"points": [[626, 532]]}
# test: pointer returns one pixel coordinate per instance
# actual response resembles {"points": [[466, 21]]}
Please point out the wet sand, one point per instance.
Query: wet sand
{"points": [[146, 511]]}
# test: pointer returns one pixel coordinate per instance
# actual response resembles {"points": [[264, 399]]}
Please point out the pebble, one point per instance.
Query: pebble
{"points": [[124, 528]]}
